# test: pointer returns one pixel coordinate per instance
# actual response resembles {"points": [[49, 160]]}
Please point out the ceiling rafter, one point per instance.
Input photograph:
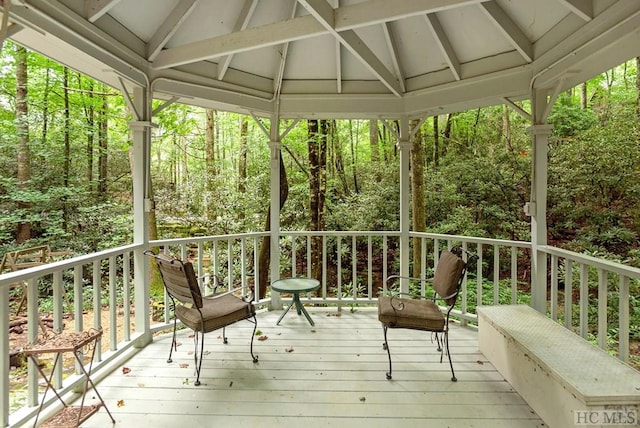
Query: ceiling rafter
{"points": [[581, 8], [94, 9], [168, 28], [395, 54], [277, 81], [509, 28], [444, 44], [241, 24], [323, 12], [346, 17]]}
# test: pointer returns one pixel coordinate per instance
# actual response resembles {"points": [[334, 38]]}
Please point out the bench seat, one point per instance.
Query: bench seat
{"points": [[556, 371]]}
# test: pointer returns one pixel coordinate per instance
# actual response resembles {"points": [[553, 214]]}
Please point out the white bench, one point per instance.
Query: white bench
{"points": [[564, 378]]}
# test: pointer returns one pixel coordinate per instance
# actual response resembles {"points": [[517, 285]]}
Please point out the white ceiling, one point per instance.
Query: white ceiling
{"points": [[334, 58]]}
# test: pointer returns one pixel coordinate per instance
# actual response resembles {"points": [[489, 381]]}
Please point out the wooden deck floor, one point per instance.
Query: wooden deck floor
{"points": [[332, 374]]}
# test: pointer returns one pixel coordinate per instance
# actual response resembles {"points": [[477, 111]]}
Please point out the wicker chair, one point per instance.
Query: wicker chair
{"points": [[201, 314], [419, 313]]}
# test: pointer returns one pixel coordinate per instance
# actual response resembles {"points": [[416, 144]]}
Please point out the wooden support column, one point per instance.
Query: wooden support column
{"points": [[405, 224], [537, 206], [142, 205], [275, 146]]}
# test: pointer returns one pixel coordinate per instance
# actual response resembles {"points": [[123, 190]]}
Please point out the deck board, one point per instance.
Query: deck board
{"points": [[332, 374]]}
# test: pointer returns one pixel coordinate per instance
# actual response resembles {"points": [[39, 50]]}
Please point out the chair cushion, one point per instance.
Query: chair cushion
{"points": [[418, 314], [447, 276], [217, 312]]}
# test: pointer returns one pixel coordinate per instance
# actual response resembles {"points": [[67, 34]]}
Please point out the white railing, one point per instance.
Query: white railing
{"points": [[89, 282], [353, 267], [583, 273]]}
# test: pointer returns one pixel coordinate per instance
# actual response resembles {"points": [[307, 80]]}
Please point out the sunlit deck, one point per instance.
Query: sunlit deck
{"points": [[332, 374]]}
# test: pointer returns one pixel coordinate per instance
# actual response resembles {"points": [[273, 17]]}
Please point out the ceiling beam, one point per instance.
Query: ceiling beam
{"points": [[509, 29], [444, 44], [581, 8], [94, 9], [395, 55], [241, 24], [168, 28], [323, 12], [277, 81], [346, 18]]}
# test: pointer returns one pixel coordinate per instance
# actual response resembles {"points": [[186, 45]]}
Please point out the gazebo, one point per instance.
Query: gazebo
{"points": [[302, 59]]}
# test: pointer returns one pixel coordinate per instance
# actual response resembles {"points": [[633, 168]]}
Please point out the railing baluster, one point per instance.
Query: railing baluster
{"points": [[126, 293], [568, 293], [324, 267], [294, 257], [339, 269], [309, 258], [32, 334], [514, 275], [496, 275], [554, 287], [479, 277], [385, 275], [584, 300], [369, 267], [113, 306], [623, 319], [58, 298], [602, 309], [354, 266], [97, 314]]}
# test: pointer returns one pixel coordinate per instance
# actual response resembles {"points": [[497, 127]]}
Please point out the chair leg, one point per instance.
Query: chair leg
{"points": [[385, 345], [224, 336], [195, 355], [174, 344], [255, 326], [446, 343]]}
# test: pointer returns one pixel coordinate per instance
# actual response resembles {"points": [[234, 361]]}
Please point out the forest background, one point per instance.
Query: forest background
{"points": [[65, 174]]}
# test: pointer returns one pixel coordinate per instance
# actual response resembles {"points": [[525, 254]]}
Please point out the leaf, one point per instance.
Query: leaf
{"points": [[263, 338], [120, 403], [184, 365], [363, 399], [289, 349], [126, 370]]}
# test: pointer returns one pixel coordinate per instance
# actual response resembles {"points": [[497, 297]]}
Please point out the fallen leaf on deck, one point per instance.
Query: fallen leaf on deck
{"points": [[126, 370], [481, 362], [290, 349], [184, 365], [263, 338], [120, 403], [230, 384], [363, 399]]}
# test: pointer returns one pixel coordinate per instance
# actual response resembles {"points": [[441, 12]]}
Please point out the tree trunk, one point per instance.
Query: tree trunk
{"points": [[352, 139], [22, 127], [264, 256], [338, 160], [417, 195], [103, 143], [583, 95], [90, 115], [317, 143], [210, 166], [67, 143], [374, 133], [242, 161], [506, 127], [436, 143]]}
